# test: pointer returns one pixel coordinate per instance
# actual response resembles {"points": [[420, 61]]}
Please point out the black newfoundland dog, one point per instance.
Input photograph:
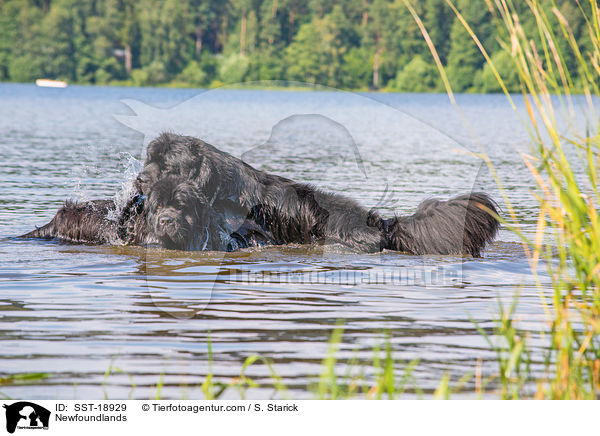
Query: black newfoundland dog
{"points": [[192, 196]]}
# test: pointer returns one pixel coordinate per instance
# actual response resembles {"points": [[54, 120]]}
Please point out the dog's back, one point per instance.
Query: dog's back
{"points": [[80, 222]]}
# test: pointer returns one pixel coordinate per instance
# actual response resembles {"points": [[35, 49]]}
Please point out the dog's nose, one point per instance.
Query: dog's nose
{"points": [[165, 220]]}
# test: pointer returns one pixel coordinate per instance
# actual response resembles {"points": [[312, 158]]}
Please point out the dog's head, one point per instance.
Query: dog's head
{"points": [[177, 212], [170, 154]]}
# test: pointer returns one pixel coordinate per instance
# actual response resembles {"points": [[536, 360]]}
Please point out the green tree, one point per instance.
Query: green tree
{"points": [[173, 44], [209, 65], [270, 26], [155, 73], [347, 43], [20, 40], [357, 68], [164, 41], [303, 55], [403, 39], [316, 54], [244, 38], [464, 57], [193, 74], [266, 65], [416, 76], [376, 31], [201, 14], [438, 18], [61, 28], [233, 68], [24, 69], [486, 80]]}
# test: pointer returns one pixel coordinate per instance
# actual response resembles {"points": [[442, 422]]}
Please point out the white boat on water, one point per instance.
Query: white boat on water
{"points": [[48, 83]]}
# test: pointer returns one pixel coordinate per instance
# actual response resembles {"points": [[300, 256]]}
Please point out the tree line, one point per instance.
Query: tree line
{"points": [[349, 44]]}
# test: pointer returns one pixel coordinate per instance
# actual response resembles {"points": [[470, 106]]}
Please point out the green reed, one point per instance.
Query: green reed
{"points": [[564, 165]]}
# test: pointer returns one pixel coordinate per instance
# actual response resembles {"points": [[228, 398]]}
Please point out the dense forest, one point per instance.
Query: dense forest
{"points": [[350, 44]]}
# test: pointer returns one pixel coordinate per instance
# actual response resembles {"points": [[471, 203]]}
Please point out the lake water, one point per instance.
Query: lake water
{"points": [[73, 310]]}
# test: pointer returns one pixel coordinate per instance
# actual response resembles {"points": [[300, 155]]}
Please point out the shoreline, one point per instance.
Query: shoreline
{"points": [[255, 86], [252, 86]]}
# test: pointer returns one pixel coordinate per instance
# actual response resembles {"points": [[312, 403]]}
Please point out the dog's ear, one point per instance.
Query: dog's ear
{"points": [[188, 193], [193, 174], [147, 177], [160, 146]]}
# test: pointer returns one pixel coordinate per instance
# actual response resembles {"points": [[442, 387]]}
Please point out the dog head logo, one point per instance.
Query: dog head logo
{"points": [[26, 415]]}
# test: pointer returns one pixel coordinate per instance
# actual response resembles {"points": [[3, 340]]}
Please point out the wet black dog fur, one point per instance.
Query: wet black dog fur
{"points": [[192, 196]]}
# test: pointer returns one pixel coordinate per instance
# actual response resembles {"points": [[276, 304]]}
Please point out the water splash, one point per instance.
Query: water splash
{"points": [[80, 175], [127, 187]]}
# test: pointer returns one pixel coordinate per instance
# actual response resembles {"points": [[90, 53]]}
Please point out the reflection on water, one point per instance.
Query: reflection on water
{"points": [[71, 310]]}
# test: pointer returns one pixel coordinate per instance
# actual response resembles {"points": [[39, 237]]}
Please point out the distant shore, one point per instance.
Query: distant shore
{"points": [[245, 86], [307, 87]]}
